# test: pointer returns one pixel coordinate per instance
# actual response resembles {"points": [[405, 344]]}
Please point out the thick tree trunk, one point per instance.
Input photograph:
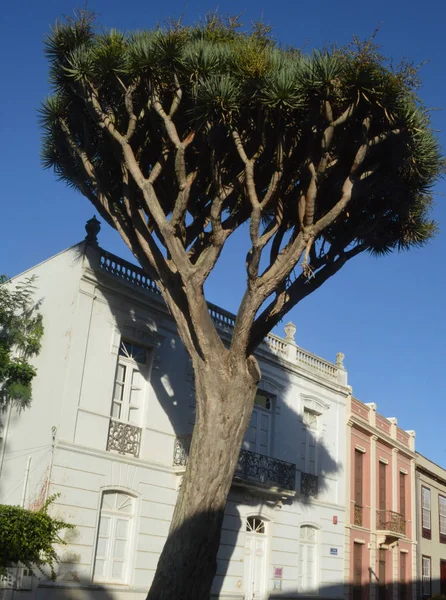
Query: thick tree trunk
{"points": [[224, 398]]}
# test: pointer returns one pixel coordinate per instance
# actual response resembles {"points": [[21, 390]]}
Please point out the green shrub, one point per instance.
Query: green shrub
{"points": [[28, 537]]}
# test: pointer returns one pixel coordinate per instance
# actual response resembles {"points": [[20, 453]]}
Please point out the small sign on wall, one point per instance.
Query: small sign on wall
{"points": [[278, 572], [333, 551]]}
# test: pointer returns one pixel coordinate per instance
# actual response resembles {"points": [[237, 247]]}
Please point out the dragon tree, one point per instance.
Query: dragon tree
{"points": [[181, 135]]}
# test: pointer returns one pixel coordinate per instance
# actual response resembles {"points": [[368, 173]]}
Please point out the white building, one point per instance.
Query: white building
{"points": [[108, 430]]}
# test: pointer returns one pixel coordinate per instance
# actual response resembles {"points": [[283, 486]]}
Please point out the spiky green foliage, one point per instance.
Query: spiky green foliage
{"points": [[315, 128], [28, 537], [21, 332]]}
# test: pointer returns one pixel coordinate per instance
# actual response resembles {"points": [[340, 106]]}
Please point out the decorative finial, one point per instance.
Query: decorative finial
{"points": [[340, 360], [92, 227], [290, 330]]}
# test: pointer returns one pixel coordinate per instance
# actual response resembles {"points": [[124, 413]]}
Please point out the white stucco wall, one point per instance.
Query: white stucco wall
{"points": [[85, 314], [29, 434]]}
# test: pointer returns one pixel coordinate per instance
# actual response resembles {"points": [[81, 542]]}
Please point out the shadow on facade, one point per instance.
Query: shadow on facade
{"points": [[289, 434], [373, 591], [178, 405]]}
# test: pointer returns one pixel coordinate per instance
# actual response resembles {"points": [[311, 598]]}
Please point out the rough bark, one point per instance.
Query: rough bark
{"points": [[225, 392]]}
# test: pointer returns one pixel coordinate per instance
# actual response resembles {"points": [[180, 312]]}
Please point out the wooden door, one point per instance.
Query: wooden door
{"points": [[382, 575], [358, 477], [403, 581], [443, 577], [403, 495], [382, 495], [257, 438], [358, 487], [255, 560], [357, 571]]}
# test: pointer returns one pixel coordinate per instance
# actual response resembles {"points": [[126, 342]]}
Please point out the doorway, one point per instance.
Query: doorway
{"points": [[255, 560], [443, 577]]}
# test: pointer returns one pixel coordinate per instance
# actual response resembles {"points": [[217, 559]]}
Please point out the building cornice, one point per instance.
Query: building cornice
{"points": [[426, 472], [138, 296], [380, 435]]}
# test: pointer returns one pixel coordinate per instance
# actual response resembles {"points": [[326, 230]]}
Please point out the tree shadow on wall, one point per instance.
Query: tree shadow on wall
{"points": [[304, 462]]}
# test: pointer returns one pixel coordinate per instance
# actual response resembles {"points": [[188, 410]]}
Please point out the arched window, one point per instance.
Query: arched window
{"points": [[308, 563], [129, 389], [255, 525], [113, 540]]}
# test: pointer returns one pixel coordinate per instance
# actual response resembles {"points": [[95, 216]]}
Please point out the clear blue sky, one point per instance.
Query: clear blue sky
{"points": [[386, 315]]}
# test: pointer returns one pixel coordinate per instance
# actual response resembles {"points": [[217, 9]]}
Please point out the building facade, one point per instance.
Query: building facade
{"points": [[109, 428], [381, 514], [431, 527]]}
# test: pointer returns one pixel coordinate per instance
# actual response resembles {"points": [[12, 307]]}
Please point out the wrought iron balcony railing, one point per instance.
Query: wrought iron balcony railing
{"points": [[308, 485], [181, 450], [251, 466], [388, 520], [358, 515], [124, 438]]}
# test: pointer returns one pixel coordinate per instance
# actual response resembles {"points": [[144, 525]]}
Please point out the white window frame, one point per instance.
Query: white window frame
{"points": [[426, 508], [304, 548], [114, 515], [426, 575], [311, 421], [442, 516], [130, 365], [267, 411]]}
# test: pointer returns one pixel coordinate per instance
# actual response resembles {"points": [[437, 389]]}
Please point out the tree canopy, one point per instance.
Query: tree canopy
{"points": [[179, 135], [21, 332]]}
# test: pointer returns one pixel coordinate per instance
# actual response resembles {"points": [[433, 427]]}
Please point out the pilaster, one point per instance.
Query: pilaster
{"points": [[373, 487], [372, 414], [395, 565], [414, 554], [373, 536], [348, 471]]}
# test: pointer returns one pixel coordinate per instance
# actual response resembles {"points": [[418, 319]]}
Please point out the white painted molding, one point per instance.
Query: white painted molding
{"points": [[314, 404]]}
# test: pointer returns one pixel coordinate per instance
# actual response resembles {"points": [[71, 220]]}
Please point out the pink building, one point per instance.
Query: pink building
{"points": [[380, 546]]}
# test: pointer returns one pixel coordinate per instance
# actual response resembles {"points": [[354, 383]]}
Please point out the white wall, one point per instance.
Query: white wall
{"points": [[29, 434], [85, 313]]}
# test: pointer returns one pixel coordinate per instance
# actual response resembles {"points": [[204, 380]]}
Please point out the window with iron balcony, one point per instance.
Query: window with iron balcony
{"points": [[128, 402]]}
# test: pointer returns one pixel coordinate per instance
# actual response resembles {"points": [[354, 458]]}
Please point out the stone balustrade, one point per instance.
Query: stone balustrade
{"points": [[283, 348]]}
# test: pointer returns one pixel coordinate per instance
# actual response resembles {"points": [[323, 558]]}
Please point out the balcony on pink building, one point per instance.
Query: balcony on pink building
{"points": [[393, 524]]}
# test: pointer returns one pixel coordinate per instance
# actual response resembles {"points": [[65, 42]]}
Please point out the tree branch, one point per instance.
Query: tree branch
{"points": [[347, 187], [297, 291]]}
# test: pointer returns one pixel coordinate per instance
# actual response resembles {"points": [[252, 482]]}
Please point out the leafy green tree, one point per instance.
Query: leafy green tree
{"points": [[28, 537], [180, 136], [21, 332]]}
